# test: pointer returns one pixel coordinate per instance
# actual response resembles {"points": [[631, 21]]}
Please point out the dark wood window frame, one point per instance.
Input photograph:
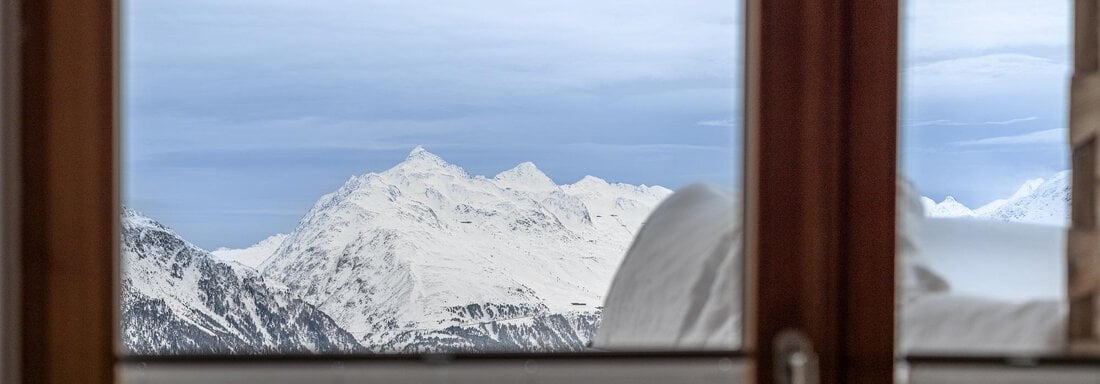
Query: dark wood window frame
{"points": [[821, 132]]}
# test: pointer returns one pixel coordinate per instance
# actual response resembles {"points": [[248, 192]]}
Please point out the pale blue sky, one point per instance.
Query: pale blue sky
{"points": [[985, 86], [240, 114]]}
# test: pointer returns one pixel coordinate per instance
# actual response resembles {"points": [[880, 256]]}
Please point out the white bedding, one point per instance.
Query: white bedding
{"points": [[679, 284], [966, 286]]}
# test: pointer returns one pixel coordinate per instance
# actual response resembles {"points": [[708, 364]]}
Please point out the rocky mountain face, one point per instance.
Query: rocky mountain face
{"points": [[558, 332], [177, 299]]}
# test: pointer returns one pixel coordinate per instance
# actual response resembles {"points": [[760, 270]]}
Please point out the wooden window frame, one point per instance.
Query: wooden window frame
{"points": [[65, 181], [821, 102], [1083, 254], [822, 114]]}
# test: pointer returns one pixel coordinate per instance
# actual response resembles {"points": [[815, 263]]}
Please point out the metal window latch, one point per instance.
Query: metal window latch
{"points": [[795, 359]]}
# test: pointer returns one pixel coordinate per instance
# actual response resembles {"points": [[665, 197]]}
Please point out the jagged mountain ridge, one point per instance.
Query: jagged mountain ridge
{"points": [[177, 299], [400, 258], [1037, 201]]}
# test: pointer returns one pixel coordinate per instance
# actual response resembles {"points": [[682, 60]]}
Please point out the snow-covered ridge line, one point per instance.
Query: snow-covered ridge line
{"points": [[1037, 201]]}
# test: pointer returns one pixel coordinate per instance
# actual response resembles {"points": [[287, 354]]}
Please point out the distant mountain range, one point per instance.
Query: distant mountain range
{"points": [[1038, 201], [422, 257]]}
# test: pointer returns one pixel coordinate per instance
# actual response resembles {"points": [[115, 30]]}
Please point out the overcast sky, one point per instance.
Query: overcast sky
{"points": [[240, 114], [985, 90]]}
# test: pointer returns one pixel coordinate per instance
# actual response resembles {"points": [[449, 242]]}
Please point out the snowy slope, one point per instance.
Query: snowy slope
{"points": [[177, 299], [1048, 203], [252, 256], [424, 247], [1025, 190], [1037, 201]]}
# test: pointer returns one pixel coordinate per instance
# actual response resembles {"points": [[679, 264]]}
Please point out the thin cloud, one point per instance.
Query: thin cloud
{"points": [[936, 28], [954, 123], [650, 147], [987, 67], [718, 123], [1049, 136]]}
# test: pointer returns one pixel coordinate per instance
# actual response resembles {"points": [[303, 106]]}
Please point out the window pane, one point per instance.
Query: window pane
{"points": [[411, 177], [984, 204]]}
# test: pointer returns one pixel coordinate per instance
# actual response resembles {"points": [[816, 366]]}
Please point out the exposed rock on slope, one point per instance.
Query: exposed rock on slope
{"points": [[176, 299]]}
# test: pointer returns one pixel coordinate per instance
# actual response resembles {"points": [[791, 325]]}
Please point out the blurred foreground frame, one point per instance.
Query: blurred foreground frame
{"points": [[1083, 256]]}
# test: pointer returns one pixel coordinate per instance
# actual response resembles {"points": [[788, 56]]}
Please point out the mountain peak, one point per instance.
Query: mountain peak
{"points": [[524, 170], [592, 180], [135, 219], [949, 207], [420, 160], [527, 167], [526, 176], [420, 154]]}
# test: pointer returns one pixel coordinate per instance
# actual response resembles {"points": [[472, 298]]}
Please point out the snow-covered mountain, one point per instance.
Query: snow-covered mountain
{"points": [[426, 257], [177, 299], [1038, 201]]}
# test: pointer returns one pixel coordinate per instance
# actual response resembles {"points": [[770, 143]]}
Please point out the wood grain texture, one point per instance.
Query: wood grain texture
{"points": [[822, 130], [68, 191], [868, 228], [10, 301], [1085, 36]]}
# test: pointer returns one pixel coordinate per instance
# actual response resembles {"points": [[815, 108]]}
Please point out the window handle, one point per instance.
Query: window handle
{"points": [[795, 359]]}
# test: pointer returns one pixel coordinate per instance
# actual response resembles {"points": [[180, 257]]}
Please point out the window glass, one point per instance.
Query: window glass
{"points": [[410, 176], [985, 190]]}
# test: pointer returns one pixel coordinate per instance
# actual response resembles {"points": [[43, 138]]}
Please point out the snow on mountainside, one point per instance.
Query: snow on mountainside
{"points": [[1038, 201], [1048, 203], [177, 299], [1025, 190], [425, 257], [252, 256]]}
